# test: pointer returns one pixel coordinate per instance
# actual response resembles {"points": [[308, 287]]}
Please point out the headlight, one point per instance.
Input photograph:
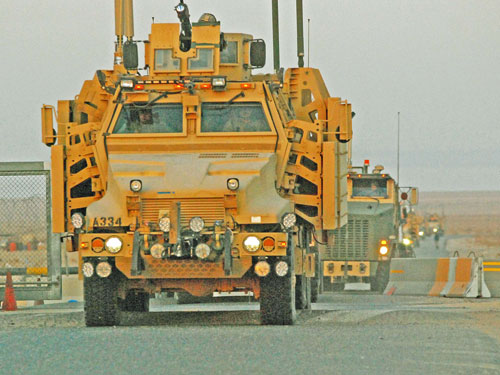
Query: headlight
{"points": [[383, 250], [233, 184], [113, 244], [77, 219], [136, 186], [406, 241], [196, 224], [103, 269], [281, 268], [157, 250], [421, 233], [251, 244], [219, 83], [97, 245], [202, 251], [262, 268], [127, 83], [87, 269], [435, 230], [288, 220], [164, 224]]}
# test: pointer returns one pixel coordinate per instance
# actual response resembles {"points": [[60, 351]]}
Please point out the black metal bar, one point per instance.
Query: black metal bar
{"points": [[300, 33], [136, 249], [228, 260], [276, 36]]}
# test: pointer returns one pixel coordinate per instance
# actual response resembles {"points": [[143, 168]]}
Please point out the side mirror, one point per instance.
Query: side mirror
{"points": [[130, 55], [258, 53], [414, 196], [48, 132]]}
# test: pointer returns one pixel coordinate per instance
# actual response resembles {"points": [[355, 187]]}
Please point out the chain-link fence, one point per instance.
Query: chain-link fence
{"points": [[28, 249]]}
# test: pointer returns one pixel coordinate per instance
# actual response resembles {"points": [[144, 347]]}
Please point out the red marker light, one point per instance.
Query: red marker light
{"points": [[367, 162], [139, 87]]}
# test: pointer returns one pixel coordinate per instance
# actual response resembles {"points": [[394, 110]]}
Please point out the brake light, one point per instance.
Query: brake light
{"points": [[246, 85], [206, 86], [139, 87]]}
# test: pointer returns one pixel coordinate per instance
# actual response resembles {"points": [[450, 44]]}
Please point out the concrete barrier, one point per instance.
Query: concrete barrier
{"points": [[444, 277], [491, 271]]}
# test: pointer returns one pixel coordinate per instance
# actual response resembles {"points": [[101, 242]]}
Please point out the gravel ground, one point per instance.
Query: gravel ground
{"points": [[351, 333]]}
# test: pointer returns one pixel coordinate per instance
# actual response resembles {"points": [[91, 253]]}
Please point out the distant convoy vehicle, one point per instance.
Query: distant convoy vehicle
{"points": [[434, 224], [374, 232], [194, 175]]}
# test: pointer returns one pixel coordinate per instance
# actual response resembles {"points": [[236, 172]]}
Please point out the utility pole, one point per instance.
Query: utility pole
{"points": [[398, 149], [308, 40]]}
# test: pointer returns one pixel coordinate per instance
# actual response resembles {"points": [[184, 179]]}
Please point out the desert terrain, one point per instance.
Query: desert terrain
{"points": [[472, 218]]}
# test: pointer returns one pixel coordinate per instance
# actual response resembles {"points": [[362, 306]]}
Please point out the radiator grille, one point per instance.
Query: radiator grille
{"points": [[210, 209], [351, 241]]}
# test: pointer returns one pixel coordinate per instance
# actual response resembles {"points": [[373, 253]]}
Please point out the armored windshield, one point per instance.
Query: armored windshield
{"points": [[158, 118], [236, 117], [365, 187]]}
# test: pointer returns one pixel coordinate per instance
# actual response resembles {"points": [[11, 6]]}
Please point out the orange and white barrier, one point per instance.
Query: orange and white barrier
{"points": [[491, 272], [444, 277]]}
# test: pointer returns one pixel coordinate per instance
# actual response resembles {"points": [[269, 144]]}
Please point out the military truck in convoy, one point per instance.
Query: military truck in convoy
{"points": [[194, 175], [373, 235]]}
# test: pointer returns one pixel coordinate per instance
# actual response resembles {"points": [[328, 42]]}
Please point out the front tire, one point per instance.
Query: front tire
{"points": [[277, 300], [101, 301], [381, 279]]}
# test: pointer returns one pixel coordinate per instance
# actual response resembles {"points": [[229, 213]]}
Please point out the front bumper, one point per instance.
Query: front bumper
{"points": [[228, 264]]}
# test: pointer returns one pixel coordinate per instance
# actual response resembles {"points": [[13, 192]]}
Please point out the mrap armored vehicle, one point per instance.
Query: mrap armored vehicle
{"points": [[373, 235], [193, 175]]}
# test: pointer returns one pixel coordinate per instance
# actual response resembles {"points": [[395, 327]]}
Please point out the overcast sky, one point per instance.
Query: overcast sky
{"points": [[436, 62]]}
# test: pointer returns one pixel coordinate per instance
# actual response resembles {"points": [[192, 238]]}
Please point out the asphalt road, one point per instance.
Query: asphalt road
{"points": [[427, 248], [346, 333]]}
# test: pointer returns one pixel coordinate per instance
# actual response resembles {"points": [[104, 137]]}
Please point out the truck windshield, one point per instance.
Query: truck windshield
{"points": [[369, 187], [157, 118], [234, 117]]}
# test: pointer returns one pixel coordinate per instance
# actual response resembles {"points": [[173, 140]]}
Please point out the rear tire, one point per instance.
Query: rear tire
{"points": [[136, 301], [184, 298], [101, 301], [277, 300], [302, 292], [316, 280]]}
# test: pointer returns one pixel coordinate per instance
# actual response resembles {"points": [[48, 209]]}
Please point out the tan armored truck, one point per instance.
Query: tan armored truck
{"points": [[363, 248], [194, 175]]}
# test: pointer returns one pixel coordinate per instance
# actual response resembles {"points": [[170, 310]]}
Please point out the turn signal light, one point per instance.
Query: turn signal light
{"points": [[206, 86], [97, 245], [282, 243], [268, 244], [139, 87], [178, 86], [383, 242]]}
